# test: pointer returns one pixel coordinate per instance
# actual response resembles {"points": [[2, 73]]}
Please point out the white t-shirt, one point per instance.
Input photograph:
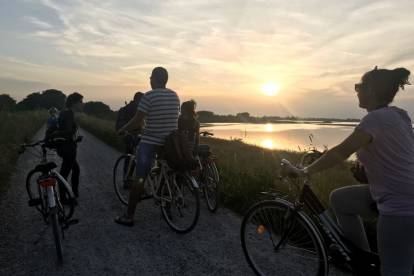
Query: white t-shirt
{"points": [[389, 160]]}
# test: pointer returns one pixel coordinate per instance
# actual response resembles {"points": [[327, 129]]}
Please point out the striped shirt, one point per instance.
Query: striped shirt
{"points": [[162, 106]]}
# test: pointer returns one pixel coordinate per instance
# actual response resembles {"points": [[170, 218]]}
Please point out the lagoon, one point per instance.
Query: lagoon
{"points": [[285, 136]]}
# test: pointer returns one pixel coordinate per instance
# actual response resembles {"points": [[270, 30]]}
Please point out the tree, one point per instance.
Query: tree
{"points": [[53, 98], [98, 109], [205, 116], [243, 115], [31, 102], [93, 108], [46, 99], [6, 102]]}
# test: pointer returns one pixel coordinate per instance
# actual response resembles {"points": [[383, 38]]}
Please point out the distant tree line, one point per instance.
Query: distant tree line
{"points": [[52, 98], [244, 117], [55, 98]]}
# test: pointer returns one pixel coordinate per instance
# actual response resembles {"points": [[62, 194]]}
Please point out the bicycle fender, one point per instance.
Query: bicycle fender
{"points": [[193, 182], [66, 184]]}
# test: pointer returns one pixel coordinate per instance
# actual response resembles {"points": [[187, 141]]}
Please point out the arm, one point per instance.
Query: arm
{"points": [[197, 134], [340, 152], [137, 122]]}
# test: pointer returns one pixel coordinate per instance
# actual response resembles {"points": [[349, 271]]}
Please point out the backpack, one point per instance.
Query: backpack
{"points": [[177, 152], [125, 114]]}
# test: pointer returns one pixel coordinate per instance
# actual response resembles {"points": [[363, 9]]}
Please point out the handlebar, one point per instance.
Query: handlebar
{"points": [[206, 134], [42, 143], [288, 169]]}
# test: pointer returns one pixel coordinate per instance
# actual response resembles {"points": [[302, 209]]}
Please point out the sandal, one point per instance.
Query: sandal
{"points": [[124, 220]]}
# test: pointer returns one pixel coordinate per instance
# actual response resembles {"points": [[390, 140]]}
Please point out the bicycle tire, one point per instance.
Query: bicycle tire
{"points": [[119, 184], [179, 202], [37, 192], [68, 208], [56, 234], [210, 187], [266, 227]]}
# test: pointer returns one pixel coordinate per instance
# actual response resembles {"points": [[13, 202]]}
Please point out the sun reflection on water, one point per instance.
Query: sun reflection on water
{"points": [[268, 127], [268, 144]]}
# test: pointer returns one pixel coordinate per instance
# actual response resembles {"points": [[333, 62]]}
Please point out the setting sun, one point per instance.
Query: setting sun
{"points": [[270, 89]]}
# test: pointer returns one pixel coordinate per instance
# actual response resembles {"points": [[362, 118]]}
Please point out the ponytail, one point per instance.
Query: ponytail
{"points": [[400, 76]]}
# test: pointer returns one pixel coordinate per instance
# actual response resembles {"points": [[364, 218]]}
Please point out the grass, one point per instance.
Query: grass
{"points": [[247, 170], [15, 128]]}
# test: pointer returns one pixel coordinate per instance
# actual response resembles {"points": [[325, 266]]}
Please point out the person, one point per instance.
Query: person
{"points": [[384, 144], [160, 107], [67, 150], [125, 114], [187, 121], [52, 121]]}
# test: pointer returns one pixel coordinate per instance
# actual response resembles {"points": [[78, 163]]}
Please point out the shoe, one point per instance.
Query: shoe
{"points": [[124, 220]]}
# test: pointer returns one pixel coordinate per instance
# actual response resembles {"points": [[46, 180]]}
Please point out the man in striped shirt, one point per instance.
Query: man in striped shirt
{"points": [[159, 107]]}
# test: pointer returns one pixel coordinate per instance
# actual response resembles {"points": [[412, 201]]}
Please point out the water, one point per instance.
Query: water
{"points": [[289, 136]]}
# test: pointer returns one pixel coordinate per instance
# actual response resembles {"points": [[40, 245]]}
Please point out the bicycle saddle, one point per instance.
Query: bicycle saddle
{"points": [[44, 168]]}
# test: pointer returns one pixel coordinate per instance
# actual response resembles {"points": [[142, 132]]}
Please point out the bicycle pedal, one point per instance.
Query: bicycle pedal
{"points": [[34, 202]]}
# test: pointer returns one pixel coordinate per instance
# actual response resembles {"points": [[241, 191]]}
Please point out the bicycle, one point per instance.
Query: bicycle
{"points": [[208, 176], [175, 192], [44, 194], [299, 237]]}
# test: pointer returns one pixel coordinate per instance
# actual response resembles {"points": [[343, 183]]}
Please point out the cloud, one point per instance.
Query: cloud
{"points": [[216, 49], [19, 88], [38, 23]]}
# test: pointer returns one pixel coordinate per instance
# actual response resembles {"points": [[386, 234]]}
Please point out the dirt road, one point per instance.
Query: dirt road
{"points": [[97, 246]]}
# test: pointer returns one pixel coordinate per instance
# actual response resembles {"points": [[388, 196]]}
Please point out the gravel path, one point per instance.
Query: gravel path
{"points": [[97, 246]]}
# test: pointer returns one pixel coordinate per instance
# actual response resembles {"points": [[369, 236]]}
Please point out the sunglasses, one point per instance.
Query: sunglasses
{"points": [[360, 87]]}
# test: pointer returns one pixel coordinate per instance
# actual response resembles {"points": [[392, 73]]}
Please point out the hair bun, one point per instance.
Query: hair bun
{"points": [[401, 76]]}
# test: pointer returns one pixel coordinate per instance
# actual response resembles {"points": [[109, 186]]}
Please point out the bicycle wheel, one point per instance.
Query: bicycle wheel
{"points": [[68, 207], [56, 234], [210, 187], [277, 240], [34, 191], [123, 176], [180, 203]]}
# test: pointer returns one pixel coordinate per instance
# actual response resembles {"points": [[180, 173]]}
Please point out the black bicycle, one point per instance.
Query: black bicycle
{"points": [[176, 192], [298, 236], [43, 189], [208, 175]]}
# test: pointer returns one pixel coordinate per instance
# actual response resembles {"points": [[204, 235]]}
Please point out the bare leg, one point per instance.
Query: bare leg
{"points": [[350, 203]]}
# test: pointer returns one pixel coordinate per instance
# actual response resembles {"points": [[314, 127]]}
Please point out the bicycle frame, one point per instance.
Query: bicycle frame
{"points": [[325, 223], [165, 174]]}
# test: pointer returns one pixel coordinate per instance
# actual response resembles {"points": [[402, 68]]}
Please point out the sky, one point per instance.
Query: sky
{"points": [[218, 52]]}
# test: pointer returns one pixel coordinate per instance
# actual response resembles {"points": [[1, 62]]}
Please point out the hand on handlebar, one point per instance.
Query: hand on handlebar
{"points": [[288, 170], [206, 133]]}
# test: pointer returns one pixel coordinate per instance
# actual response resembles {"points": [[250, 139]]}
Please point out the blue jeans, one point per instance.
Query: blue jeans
{"points": [[145, 158]]}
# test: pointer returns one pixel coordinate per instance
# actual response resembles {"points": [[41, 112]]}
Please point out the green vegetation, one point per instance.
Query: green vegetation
{"points": [[52, 98], [15, 128], [103, 129], [245, 170]]}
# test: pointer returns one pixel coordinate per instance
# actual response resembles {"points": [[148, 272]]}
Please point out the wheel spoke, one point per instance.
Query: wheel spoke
{"points": [[277, 241]]}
